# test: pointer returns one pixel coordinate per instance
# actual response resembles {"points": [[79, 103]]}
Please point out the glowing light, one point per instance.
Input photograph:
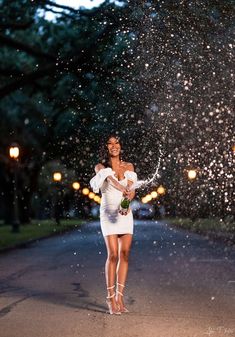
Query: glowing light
{"points": [[57, 176], [14, 152], [91, 195], [85, 191], [97, 198], [192, 174], [144, 200], [233, 149], [154, 194], [76, 185], [148, 197], [161, 190]]}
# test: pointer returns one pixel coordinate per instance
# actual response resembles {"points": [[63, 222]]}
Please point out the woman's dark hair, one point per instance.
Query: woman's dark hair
{"points": [[104, 158]]}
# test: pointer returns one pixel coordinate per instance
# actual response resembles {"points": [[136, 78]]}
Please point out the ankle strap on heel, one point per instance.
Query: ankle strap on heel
{"points": [[111, 296], [119, 292], [119, 284]]}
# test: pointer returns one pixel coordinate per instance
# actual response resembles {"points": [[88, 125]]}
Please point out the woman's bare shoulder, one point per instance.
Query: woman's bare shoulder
{"points": [[128, 166], [98, 167]]}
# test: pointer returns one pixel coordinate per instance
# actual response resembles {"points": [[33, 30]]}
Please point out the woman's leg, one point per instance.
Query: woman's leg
{"points": [[111, 242], [124, 242]]}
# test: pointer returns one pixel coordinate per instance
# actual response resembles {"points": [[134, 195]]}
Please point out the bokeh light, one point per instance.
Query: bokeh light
{"points": [[57, 176], [192, 174], [76, 185], [14, 152], [85, 191], [154, 194], [161, 190], [91, 195]]}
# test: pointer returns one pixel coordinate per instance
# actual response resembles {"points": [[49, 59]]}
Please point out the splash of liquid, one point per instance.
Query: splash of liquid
{"points": [[146, 182], [162, 151]]}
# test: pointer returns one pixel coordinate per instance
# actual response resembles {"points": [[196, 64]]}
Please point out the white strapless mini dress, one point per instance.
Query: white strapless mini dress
{"points": [[111, 221]]}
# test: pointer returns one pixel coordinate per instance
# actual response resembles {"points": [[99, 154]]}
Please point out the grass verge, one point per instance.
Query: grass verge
{"points": [[213, 227], [35, 230]]}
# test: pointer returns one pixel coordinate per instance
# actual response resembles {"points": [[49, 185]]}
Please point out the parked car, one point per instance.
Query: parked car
{"points": [[145, 212], [142, 211]]}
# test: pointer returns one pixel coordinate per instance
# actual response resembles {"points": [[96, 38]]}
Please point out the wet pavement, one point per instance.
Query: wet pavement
{"points": [[179, 284]]}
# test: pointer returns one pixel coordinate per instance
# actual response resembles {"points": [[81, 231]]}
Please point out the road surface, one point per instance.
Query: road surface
{"points": [[179, 284]]}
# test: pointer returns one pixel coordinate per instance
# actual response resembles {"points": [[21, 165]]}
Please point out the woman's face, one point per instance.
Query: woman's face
{"points": [[114, 147]]}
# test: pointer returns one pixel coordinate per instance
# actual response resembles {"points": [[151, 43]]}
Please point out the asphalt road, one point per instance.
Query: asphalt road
{"points": [[179, 285]]}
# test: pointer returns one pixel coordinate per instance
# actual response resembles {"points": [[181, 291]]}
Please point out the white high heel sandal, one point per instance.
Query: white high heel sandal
{"points": [[120, 293], [111, 311]]}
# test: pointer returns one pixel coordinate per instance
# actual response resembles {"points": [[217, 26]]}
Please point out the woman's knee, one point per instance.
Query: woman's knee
{"points": [[113, 256], [124, 255]]}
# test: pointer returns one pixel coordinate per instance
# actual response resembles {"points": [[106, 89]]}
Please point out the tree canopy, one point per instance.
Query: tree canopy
{"points": [[159, 73]]}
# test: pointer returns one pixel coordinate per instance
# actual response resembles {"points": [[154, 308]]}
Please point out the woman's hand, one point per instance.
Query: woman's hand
{"points": [[122, 189], [125, 213], [127, 193]]}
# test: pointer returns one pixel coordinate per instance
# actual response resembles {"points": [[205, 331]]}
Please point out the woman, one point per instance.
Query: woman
{"points": [[114, 178]]}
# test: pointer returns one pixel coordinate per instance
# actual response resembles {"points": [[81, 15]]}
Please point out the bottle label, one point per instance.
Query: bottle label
{"points": [[124, 206]]}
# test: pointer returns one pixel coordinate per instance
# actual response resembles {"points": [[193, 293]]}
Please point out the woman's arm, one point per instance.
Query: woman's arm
{"points": [[130, 194], [98, 167], [117, 184]]}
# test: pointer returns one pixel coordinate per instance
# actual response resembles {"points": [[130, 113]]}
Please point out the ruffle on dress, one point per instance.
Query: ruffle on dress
{"points": [[130, 175], [97, 181]]}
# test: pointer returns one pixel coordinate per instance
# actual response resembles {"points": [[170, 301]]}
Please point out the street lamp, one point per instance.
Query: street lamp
{"points": [[192, 174], [76, 186], [57, 177], [154, 194], [161, 190], [91, 195], [14, 153], [144, 200], [97, 199], [148, 197], [85, 191]]}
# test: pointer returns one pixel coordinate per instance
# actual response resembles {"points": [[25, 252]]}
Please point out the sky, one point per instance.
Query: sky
{"points": [[78, 3], [74, 4]]}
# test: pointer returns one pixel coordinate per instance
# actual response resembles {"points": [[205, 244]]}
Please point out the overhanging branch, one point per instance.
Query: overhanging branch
{"points": [[60, 13], [24, 47], [16, 25], [65, 65], [53, 4]]}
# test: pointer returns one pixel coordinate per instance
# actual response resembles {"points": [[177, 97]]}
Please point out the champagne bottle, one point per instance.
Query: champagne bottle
{"points": [[124, 206]]}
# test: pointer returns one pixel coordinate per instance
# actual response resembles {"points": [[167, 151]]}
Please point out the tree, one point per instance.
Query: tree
{"points": [[158, 73]]}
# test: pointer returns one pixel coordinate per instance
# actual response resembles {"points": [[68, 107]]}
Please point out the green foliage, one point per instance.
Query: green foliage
{"points": [[53, 86], [67, 83], [206, 225], [36, 230]]}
